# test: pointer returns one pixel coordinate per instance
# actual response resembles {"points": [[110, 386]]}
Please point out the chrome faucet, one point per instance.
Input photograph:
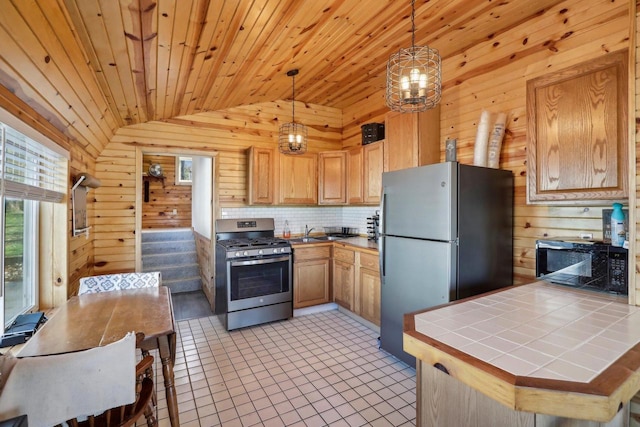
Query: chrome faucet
{"points": [[307, 230]]}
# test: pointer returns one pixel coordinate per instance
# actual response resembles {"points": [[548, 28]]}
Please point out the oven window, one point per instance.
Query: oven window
{"points": [[573, 263], [251, 281]]}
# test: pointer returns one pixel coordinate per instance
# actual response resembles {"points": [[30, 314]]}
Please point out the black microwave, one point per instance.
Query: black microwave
{"points": [[591, 265]]}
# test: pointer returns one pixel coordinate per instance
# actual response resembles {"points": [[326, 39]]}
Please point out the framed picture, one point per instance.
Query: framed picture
{"points": [[183, 170]]}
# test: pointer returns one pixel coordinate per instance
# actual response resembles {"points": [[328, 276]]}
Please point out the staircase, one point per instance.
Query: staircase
{"points": [[172, 253]]}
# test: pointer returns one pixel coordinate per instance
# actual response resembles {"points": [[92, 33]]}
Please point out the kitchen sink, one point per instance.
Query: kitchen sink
{"points": [[327, 238], [303, 240], [314, 239]]}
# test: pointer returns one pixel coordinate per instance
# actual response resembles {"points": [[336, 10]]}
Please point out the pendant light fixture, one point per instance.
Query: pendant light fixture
{"points": [[414, 81], [292, 137]]}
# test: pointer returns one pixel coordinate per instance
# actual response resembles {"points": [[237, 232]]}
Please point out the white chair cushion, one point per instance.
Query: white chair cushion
{"points": [[115, 282]]}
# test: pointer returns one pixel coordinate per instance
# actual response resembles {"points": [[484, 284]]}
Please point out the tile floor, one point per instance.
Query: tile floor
{"points": [[322, 369]]}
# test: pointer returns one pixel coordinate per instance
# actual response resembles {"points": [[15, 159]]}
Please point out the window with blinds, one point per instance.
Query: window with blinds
{"points": [[30, 170]]}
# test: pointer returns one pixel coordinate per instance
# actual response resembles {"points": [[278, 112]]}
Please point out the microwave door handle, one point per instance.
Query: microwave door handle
{"points": [[546, 246]]}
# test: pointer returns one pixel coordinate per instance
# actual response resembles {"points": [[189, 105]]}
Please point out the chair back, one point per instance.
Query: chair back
{"points": [[52, 389], [119, 281]]}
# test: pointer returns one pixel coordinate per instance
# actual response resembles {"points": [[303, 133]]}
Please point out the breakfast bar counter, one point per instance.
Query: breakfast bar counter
{"points": [[531, 355]]}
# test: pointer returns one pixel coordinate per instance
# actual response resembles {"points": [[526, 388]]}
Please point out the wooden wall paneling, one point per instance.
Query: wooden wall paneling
{"points": [[165, 196], [43, 99], [634, 155], [22, 46], [53, 31], [119, 255], [205, 263]]}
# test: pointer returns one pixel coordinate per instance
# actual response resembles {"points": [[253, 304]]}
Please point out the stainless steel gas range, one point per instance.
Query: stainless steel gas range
{"points": [[253, 273]]}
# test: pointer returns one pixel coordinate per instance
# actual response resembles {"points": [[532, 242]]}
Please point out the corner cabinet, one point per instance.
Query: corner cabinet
{"points": [[412, 139], [261, 176], [298, 179], [577, 131], [332, 178], [311, 275]]}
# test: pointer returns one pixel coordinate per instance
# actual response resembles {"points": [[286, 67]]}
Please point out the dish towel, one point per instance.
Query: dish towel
{"points": [[53, 389]]}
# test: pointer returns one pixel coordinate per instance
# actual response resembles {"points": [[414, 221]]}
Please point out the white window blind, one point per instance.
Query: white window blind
{"points": [[29, 170]]}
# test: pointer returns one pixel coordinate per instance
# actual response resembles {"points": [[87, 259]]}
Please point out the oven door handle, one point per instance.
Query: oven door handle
{"points": [[259, 261]]}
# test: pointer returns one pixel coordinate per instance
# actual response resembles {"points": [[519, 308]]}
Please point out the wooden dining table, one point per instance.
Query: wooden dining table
{"points": [[97, 319]]}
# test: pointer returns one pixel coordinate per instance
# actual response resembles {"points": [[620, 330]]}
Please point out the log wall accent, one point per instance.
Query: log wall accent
{"points": [[165, 196], [229, 133], [492, 75]]}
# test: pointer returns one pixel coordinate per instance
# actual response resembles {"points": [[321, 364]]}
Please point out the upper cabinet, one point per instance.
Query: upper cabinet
{"points": [[298, 179], [355, 176], [261, 181], [372, 168], [412, 139], [332, 178], [577, 130]]}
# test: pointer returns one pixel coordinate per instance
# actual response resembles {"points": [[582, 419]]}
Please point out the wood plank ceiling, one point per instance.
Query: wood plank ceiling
{"points": [[93, 66]]}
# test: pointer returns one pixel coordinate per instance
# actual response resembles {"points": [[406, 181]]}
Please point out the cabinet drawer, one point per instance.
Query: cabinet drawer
{"points": [[369, 261], [344, 255], [315, 252]]}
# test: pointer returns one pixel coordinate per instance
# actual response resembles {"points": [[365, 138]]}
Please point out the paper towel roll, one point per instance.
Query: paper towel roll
{"points": [[482, 139], [495, 141]]}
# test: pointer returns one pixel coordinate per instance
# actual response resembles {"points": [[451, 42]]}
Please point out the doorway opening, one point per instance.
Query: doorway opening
{"points": [[174, 222]]}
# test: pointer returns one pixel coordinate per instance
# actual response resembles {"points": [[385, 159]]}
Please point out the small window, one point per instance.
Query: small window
{"points": [[183, 170]]}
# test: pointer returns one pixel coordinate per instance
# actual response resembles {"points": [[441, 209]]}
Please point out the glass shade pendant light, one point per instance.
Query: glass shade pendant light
{"points": [[292, 137], [414, 81]]}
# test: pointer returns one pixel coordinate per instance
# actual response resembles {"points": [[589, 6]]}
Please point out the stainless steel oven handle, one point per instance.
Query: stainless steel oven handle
{"points": [[259, 261]]}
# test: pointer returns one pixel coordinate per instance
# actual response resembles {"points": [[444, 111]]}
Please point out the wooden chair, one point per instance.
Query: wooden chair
{"points": [[127, 415], [119, 281]]}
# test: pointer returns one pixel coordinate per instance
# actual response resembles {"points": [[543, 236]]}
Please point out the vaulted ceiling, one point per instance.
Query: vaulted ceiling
{"points": [[93, 66]]}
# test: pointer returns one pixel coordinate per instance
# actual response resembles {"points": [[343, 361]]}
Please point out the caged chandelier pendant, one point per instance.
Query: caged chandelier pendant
{"points": [[414, 81], [292, 137]]}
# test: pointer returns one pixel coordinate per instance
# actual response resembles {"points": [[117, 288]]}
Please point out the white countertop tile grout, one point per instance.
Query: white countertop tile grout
{"points": [[538, 330]]}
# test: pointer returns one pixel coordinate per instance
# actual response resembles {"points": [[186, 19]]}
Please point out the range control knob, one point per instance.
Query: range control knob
{"points": [[245, 253], [275, 251], [236, 254], [282, 250], [260, 252]]}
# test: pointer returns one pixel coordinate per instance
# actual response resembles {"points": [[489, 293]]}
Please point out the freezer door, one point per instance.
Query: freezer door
{"points": [[420, 202], [416, 274]]}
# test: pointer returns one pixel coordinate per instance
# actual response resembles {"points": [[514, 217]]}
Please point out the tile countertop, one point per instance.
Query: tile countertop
{"points": [[540, 338]]}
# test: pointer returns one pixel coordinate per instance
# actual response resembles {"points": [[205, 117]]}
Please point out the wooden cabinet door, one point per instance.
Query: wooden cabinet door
{"points": [[298, 179], [369, 288], [343, 284], [412, 139], [372, 165], [261, 180], [355, 176], [370, 295], [332, 174], [577, 131], [311, 282]]}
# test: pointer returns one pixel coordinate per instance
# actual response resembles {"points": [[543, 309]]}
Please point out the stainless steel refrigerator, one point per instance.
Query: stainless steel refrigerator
{"points": [[446, 233]]}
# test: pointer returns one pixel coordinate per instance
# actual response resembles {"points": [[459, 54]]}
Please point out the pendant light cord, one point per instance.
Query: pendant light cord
{"points": [[293, 102], [413, 25]]}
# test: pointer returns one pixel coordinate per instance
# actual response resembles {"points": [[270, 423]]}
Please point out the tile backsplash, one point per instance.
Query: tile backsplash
{"points": [[314, 217]]}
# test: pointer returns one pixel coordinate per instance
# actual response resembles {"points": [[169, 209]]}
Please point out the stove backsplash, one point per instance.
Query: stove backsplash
{"points": [[314, 217]]}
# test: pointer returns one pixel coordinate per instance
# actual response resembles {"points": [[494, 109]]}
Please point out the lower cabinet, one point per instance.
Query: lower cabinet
{"points": [[356, 282], [369, 286], [311, 275], [344, 277]]}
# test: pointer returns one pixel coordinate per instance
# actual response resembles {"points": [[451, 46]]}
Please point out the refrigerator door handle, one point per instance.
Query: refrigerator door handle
{"points": [[383, 231], [382, 260]]}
